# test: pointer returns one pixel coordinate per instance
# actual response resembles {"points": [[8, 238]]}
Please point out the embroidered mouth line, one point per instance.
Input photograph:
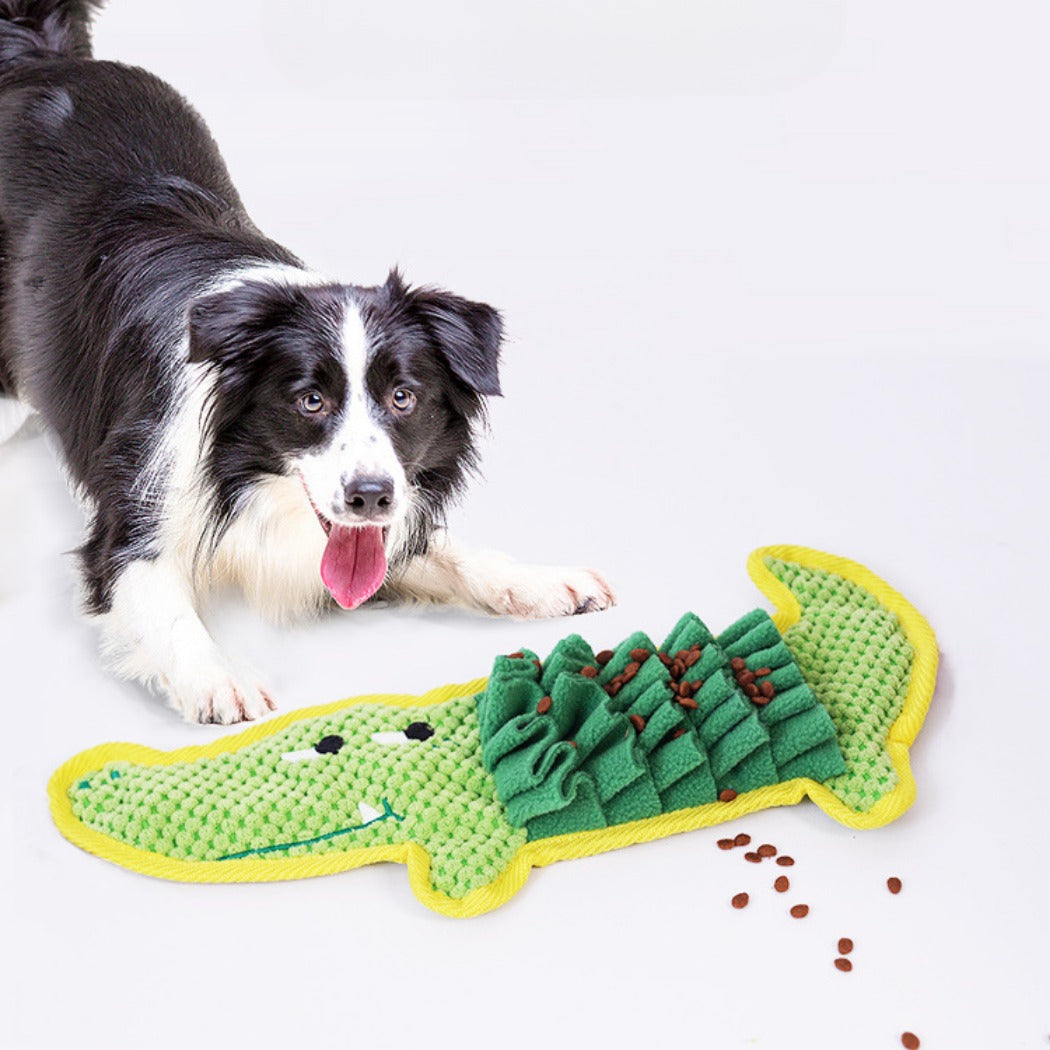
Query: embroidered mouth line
{"points": [[387, 814]]}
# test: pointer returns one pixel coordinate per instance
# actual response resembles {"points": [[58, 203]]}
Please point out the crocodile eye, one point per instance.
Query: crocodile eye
{"points": [[419, 731], [327, 745]]}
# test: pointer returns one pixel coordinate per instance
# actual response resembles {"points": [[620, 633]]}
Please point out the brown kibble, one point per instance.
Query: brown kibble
{"points": [[760, 701], [782, 884], [727, 795], [614, 686], [725, 844], [767, 850], [845, 946], [746, 678], [604, 657], [688, 703], [740, 900], [844, 965], [893, 884], [763, 671], [691, 658], [737, 664], [589, 672], [680, 731], [573, 742], [516, 656], [632, 669], [640, 655], [768, 690], [751, 690], [638, 722], [753, 857], [742, 840], [677, 669], [910, 1040], [785, 861], [544, 705], [799, 911], [664, 658]]}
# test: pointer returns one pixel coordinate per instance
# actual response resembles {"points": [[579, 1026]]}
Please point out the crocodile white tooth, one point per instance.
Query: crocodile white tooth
{"points": [[367, 812], [308, 754], [396, 737]]}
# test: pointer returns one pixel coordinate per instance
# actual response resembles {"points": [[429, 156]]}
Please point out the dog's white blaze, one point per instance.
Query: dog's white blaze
{"points": [[359, 446]]}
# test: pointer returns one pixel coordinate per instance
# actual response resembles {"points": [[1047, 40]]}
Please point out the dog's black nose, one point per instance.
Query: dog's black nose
{"points": [[369, 496]]}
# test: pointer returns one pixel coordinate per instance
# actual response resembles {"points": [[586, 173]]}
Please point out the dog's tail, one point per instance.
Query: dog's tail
{"points": [[32, 29]]}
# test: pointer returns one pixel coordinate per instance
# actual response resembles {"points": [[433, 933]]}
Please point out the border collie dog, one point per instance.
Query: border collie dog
{"points": [[229, 417]]}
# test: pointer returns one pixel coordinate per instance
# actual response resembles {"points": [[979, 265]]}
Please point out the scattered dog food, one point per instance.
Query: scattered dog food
{"points": [[589, 672], [782, 884], [727, 795], [516, 656], [767, 850], [845, 946], [799, 911], [740, 900], [742, 840], [753, 857], [725, 843], [785, 861], [844, 965], [638, 722], [640, 655], [910, 1040], [544, 705], [893, 884], [604, 656]]}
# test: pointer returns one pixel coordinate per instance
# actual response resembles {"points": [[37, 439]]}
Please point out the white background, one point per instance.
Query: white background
{"points": [[773, 272]]}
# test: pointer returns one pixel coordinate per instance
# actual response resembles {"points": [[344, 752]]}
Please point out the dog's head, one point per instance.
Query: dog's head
{"points": [[368, 395]]}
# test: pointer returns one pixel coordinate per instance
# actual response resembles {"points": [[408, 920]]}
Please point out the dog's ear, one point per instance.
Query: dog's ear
{"points": [[225, 325], [468, 335]]}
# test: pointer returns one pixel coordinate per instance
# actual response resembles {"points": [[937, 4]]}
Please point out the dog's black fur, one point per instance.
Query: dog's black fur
{"points": [[117, 216]]}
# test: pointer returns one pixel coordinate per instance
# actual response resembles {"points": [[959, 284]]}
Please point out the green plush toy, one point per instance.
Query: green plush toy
{"points": [[581, 752]]}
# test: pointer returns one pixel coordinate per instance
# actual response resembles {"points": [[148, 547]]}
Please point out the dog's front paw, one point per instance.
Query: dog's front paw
{"points": [[213, 694], [538, 592]]}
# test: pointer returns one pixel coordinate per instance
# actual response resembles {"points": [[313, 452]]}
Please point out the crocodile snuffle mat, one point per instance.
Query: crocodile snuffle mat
{"points": [[548, 759]]}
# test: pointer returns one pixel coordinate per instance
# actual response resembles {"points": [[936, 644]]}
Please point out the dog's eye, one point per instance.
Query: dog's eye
{"points": [[311, 404], [402, 401]]}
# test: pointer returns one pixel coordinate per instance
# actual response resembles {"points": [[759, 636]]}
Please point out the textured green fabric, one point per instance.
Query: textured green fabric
{"points": [[854, 654], [255, 801], [840, 675], [589, 760]]}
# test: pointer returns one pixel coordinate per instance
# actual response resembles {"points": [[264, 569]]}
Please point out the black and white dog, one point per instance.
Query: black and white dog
{"points": [[229, 417]]}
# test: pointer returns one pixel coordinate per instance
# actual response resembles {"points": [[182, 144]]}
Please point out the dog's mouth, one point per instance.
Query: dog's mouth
{"points": [[353, 566]]}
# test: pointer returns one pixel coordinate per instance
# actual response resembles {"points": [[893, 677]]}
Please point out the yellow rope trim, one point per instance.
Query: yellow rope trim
{"points": [[543, 851]]}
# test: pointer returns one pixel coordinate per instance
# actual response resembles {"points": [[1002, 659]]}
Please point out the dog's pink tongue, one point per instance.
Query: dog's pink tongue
{"points": [[354, 563]]}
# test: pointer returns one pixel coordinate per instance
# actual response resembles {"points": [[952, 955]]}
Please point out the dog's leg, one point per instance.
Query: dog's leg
{"points": [[152, 633], [497, 584]]}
